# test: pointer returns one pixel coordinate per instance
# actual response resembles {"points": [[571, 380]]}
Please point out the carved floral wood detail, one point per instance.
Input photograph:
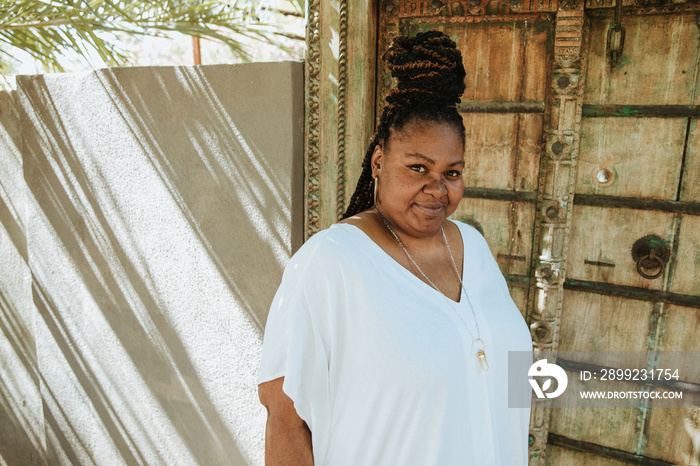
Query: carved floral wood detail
{"points": [[342, 90], [313, 68], [555, 201]]}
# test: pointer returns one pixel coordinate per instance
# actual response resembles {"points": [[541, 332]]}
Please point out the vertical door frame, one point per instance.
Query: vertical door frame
{"points": [[557, 182], [341, 48]]}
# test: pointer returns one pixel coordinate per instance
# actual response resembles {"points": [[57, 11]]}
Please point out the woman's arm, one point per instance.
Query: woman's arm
{"points": [[287, 437]]}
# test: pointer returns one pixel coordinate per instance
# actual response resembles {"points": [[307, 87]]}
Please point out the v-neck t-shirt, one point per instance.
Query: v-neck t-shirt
{"points": [[380, 366]]}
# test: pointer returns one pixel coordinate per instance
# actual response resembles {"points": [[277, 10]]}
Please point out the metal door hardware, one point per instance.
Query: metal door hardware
{"points": [[616, 36], [651, 254]]}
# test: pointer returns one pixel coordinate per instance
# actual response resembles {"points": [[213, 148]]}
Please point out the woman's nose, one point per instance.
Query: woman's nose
{"points": [[436, 187]]}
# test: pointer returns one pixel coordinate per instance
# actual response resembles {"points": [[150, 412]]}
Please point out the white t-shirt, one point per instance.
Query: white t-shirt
{"points": [[382, 369]]}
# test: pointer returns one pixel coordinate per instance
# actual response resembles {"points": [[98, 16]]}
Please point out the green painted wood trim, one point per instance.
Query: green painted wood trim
{"points": [[641, 111], [632, 292], [598, 200], [500, 195], [500, 107], [642, 294]]}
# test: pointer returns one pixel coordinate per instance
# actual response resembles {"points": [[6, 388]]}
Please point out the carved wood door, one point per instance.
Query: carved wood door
{"points": [[583, 172]]}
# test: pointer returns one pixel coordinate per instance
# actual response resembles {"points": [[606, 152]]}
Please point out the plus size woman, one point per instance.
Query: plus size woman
{"points": [[387, 342]]}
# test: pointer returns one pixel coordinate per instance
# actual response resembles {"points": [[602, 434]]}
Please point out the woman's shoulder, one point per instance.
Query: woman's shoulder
{"points": [[474, 242], [469, 232], [328, 246]]}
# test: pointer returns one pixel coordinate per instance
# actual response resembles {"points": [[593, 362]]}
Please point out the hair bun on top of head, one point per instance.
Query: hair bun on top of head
{"points": [[431, 81], [429, 70]]}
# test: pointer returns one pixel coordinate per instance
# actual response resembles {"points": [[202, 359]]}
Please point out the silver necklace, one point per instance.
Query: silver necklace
{"points": [[477, 343]]}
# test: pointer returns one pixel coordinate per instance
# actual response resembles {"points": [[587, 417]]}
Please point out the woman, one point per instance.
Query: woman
{"points": [[387, 341]]}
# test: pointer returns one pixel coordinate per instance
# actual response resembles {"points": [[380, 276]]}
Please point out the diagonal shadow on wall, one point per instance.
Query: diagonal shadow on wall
{"points": [[21, 425], [159, 231], [20, 441]]}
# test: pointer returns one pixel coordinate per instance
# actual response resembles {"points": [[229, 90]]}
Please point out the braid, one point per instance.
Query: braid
{"points": [[430, 77]]}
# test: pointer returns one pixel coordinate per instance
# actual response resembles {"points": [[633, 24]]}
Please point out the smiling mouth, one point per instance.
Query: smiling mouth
{"points": [[431, 209]]}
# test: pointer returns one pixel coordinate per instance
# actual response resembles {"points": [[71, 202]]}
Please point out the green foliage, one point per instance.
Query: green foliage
{"points": [[49, 29]]}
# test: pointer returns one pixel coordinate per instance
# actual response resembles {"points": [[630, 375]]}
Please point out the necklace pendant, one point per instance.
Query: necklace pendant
{"points": [[481, 356], [481, 353]]}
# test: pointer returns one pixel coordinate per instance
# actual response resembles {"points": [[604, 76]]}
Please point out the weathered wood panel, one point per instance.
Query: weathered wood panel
{"points": [[596, 322], [658, 65], [601, 242], [613, 428], [674, 433], [631, 157], [686, 273], [511, 63], [502, 151], [361, 66], [680, 333], [557, 456], [506, 60], [507, 227], [519, 293], [690, 187]]}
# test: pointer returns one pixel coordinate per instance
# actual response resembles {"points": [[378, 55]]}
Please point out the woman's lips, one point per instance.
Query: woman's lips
{"points": [[431, 209]]}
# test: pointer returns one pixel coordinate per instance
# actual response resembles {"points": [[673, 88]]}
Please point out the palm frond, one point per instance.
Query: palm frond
{"points": [[49, 29]]}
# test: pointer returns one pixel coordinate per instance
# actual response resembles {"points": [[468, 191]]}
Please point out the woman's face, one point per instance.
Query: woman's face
{"points": [[419, 175]]}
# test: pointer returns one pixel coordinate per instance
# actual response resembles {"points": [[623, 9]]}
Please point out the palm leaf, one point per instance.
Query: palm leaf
{"points": [[49, 29]]}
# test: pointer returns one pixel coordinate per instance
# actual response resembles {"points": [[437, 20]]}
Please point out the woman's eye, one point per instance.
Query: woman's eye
{"points": [[418, 168], [454, 174]]}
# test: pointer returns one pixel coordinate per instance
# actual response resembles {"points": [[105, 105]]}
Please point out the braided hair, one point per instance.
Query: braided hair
{"points": [[430, 77]]}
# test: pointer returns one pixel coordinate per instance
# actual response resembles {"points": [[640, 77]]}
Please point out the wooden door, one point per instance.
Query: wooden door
{"points": [[575, 165]]}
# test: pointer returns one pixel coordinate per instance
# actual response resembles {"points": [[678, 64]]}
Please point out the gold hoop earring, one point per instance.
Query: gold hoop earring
{"points": [[376, 183]]}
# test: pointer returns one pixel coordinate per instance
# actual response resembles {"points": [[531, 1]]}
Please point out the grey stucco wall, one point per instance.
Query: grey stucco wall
{"points": [[161, 205], [21, 420]]}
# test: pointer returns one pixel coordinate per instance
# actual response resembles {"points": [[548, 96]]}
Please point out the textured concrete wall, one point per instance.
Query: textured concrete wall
{"points": [[162, 205], [21, 422]]}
